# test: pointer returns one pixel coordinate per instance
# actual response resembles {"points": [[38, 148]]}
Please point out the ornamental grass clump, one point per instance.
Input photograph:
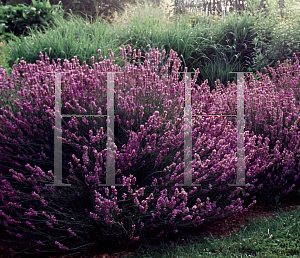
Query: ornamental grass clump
{"points": [[149, 154]]}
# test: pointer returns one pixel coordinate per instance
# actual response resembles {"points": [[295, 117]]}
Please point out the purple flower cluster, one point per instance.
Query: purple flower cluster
{"points": [[149, 112]]}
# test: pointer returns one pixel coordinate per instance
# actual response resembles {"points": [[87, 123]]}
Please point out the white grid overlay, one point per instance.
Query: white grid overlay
{"points": [[110, 161]]}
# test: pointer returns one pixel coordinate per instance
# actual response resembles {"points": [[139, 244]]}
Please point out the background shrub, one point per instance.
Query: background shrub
{"points": [[248, 45], [85, 9], [16, 20]]}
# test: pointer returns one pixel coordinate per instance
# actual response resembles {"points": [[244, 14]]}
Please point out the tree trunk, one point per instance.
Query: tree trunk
{"points": [[281, 6]]}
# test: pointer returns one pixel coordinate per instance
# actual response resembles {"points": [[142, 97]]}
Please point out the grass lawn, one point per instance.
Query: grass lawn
{"points": [[261, 233]]}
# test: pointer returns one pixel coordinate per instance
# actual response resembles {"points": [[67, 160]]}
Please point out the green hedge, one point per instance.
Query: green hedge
{"points": [[16, 20]]}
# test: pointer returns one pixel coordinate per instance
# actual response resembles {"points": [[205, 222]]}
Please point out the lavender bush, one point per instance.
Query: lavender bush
{"points": [[149, 152], [272, 112]]}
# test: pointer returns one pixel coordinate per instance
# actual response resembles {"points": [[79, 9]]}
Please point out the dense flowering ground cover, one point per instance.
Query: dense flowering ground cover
{"points": [[149, 151]]}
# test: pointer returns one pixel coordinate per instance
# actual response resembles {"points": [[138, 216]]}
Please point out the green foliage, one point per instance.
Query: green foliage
{"points": [[227, 48], [91, 9], [16, 20], [216, 45], [236, 35], [277, 236], [276, 39], [65, 40], [219, 68], [3, 54], [204, 19], [284, 42]]}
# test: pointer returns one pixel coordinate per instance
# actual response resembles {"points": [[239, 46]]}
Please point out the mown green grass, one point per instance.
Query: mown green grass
{"points": [[277, 236]]}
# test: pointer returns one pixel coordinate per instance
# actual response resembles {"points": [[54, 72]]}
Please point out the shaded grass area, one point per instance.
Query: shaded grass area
{"points": [[274, 236]]}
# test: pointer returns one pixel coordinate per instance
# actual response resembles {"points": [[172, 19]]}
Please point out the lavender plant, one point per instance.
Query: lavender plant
{"points": [[276, 119], [149, 153]]}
